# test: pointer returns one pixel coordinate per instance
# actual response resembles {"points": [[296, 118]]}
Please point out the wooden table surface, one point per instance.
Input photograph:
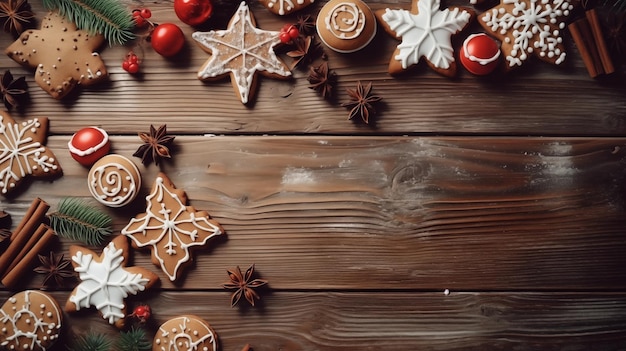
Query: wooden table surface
{"points": [[509, 192]]}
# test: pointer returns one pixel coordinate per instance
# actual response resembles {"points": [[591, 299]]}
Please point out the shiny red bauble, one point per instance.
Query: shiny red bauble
{"points": [[167, 39], [480, 54], [88, 145], [193, 12]]}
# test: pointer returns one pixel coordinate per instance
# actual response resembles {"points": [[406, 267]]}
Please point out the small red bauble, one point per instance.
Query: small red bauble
{"points": [[480, 54], [193, 12], [167, 39], [88, 145], [142, 313]]}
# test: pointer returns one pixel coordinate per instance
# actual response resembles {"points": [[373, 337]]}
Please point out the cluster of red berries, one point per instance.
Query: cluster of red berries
{"points": [[141, 313], [141, 17], [131, 63], [288, 33]]}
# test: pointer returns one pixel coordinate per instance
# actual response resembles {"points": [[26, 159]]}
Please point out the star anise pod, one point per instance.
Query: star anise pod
{"points": [[305, 51], [322, 79], [361, 102], [155, 145], [15, 14], [56, 268], [14, 91], [244, 285], [305, 25]]}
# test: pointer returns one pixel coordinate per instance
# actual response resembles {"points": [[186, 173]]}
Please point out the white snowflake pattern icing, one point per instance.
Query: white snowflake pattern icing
{"points": [[251, 51], [17, 149], [181, 339], [535, 26], [285, 6], [345, 21], [42, 332], [105, 284], [427, 33], [169, 221]]}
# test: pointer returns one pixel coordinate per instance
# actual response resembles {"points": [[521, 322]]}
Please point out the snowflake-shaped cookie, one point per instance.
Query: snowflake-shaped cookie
{"points": [[242, 51], [170, 228], [426, 32], [22, 152], [105, 281], [528, 27]]}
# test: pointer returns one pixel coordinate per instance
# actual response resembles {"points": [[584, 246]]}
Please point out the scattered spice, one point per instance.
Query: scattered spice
{"points": [[305, 51], [616, 35], [14, 91], [155, 145], [244, 285], [56, 268], [361, 102], [15, 14], [322, 79], [305, 25]]}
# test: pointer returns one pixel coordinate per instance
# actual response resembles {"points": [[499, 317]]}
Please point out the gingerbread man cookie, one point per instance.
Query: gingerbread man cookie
{"points": [[105, 281], [285, 7], [170, 228], [185, 333], [61, 55], [22, 152], [30, 320]]}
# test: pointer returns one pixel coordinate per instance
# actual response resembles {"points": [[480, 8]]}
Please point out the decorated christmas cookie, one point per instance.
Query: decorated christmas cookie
{"points": [[243, 51], [425, 31], [22, 152], [170, 228], [105, 281], [185, 333], [114, 180], [61, 55], [346, 25], [480, 54], [285, 7], [528, 27], [88, 145], [30, 320]]}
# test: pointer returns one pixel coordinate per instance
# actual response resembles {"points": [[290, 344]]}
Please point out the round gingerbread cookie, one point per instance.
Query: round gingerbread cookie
{"points": [[30, 320], [114, 180], [346, 26], [185, 333]]}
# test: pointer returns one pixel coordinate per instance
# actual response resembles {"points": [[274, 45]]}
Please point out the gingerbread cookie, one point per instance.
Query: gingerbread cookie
{"points": [[528, 27], [285, 7], [105, 281], [114, 180], [61, 55], [30, 320], [346, 26], [22, 152], [425, 31], [185, 333], [243, 51]]}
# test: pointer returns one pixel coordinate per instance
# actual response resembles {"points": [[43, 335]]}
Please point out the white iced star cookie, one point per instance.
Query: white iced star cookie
{"points": [[243, 51]]}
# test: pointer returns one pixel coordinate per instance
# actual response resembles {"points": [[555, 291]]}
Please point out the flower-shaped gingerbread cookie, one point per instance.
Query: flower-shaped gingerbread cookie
{"points": [[426, 32], [22, 152], [61, 55], [170, 228], [243, 51], [528, 27]]}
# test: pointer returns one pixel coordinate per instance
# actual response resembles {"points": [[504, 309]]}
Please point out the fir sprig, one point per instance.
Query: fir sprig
{"points": [[107, 17], [91, 341], [77, 220], [133, 340]]}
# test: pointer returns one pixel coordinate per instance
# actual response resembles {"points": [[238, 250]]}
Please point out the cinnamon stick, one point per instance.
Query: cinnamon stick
{"points": [[32, 241], [596, 31], [577, 35], [34, 205], [14, 275]]}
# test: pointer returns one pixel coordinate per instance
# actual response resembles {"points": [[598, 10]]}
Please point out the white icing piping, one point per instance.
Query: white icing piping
{"points": [[345, 28], [92, 149], [113, 175], [481, 61]]}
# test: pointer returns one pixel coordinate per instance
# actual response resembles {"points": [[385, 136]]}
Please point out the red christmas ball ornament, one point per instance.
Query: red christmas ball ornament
{"points": [[142, 313], [88, 145], [167, 39], [480, 54], [193, 12]]}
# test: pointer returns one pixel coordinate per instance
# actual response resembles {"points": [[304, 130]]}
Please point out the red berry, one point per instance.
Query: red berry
{"points": [[139, 21], [142, 312], [294, 32], [132, 58], [284, 38], [133, 68], [136, 13], [146, 13], [125, 65], [288, 33]]}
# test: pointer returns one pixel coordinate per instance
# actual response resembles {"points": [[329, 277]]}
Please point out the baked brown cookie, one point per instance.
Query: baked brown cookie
{"points": [[61, 55], [285, 7], [185, 333], [30, 320], [114, 180], [346, 26]]}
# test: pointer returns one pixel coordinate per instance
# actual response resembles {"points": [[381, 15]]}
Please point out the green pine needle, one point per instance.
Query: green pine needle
{"points": [[91, 341], [133, 340], [77, 220], [107, 17]]}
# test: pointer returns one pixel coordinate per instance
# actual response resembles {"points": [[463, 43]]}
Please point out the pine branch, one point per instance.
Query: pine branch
{"points": [[133, 340], [107, 17], [91, 341], [77, 220]]}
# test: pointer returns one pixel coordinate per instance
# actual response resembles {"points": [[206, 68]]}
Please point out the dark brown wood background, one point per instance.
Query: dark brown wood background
{"points": [[509, 191]]}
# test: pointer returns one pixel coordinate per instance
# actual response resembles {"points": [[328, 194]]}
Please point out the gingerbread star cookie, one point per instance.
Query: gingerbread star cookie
{"points": [[170, 228], [528, 27], [425, 31], [105, 281], [22, 152], [61, 55], [243, 51], [285, 7]]}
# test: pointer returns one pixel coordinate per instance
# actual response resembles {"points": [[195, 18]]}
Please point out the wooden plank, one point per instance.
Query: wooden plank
{"points": [[537, 100], [336, 321], [393, 212]]}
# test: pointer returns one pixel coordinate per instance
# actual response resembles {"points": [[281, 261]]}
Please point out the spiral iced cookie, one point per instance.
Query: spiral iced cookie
{"points": [[346, 25], [114, 180], [185, 333]]}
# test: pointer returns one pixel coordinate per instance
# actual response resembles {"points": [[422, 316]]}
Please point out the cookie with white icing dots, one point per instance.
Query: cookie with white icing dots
{"points": [[62, 56], [425, 32], [30, 320], [185, 333], [346, 26], [285, 7], [105, 281], [527, 28], [243, 51]]}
